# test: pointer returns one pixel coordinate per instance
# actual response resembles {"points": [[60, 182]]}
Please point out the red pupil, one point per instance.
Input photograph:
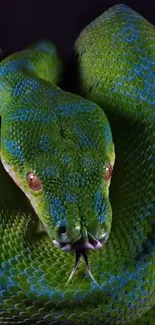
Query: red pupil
{"points": [[33, 182], [108, 173]]}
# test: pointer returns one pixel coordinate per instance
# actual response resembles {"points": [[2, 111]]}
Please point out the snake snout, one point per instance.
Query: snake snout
{"points": [[80, 239], [64, 236]]}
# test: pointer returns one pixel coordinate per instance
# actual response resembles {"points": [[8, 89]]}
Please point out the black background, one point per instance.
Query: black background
{"points": [[24, 21]]}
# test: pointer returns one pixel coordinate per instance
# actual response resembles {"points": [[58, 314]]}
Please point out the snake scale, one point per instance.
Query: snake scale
{"points": [[57, 197]]}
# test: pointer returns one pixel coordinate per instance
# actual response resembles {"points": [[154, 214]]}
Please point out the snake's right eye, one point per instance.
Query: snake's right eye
{"points": [[33, 181], [108, 172]]}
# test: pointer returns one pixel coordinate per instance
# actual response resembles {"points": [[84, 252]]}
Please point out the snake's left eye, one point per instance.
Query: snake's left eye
{"points": [[33, 182], [108, 172]]}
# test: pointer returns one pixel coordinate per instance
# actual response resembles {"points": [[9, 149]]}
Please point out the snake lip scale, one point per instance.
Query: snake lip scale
{"points": [[91, 244]]}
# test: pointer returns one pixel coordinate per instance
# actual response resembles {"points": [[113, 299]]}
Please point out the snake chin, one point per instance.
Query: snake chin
{"points": [[81, 244]]}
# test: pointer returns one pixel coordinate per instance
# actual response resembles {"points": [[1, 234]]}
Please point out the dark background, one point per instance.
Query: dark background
{"points": [[24, 21]]}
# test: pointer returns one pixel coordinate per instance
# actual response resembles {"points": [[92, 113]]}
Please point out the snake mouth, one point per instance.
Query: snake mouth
{"points": [[89, 243], [80, 247]]}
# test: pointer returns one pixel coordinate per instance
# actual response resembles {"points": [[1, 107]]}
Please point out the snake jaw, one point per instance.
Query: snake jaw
{"points": [[81, 244], [67, 247], [86, 241]]}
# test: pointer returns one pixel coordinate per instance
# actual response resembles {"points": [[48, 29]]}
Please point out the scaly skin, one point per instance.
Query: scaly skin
{"points": [[116, 60], [67, 142]]}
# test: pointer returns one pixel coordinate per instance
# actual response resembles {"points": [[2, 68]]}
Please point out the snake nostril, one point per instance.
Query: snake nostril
{"points": [[61, 230], [66, 234]]}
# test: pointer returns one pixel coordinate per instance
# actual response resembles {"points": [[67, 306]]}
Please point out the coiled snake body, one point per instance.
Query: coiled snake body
{"points": [[58, 148]]}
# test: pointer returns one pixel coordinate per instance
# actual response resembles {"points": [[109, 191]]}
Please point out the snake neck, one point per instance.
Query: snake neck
{"points": [[21, 71]]}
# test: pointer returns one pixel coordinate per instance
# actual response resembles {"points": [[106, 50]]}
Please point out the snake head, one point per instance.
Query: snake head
{"points": [[61, 154]]}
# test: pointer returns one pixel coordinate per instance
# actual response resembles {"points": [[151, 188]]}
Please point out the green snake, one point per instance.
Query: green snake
{"points": [[77, 178]]}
